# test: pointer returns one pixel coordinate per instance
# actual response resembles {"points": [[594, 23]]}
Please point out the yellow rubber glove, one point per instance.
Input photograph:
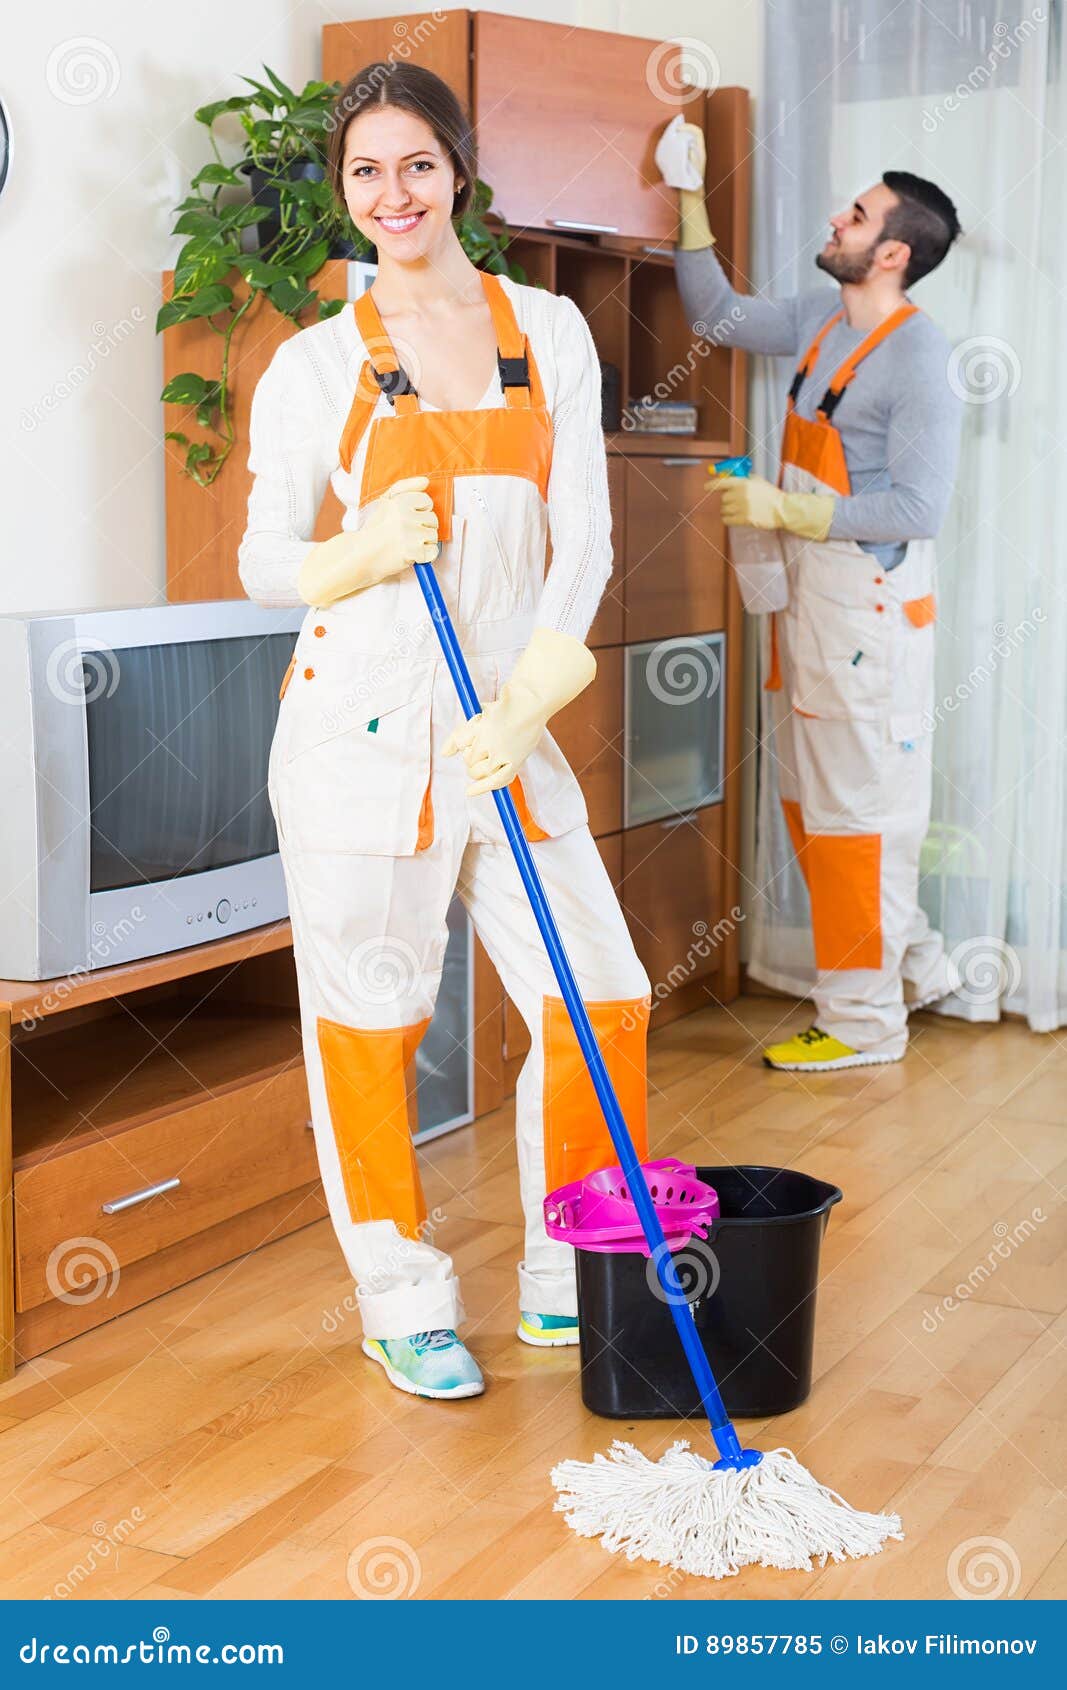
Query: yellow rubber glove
{"points": [[694, 231], [552, 670], [752, 502], [401, 529]]}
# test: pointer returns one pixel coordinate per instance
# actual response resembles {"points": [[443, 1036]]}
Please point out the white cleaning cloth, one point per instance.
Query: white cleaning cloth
{"points": [[676, 156]]}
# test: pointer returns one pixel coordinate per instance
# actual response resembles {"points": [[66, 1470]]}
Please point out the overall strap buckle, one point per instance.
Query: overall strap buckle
{"points": [[514, 372], [393, 382]]}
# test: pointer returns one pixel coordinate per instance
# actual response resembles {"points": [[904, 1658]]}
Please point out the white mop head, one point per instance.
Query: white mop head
{"points": [[680, 1513]]}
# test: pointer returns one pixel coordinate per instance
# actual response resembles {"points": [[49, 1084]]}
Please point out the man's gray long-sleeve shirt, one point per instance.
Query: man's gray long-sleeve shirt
{"points": [[899, 419]]}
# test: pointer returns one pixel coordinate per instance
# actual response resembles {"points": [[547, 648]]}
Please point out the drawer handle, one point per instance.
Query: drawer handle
{"points": [[679, 821], [586, 228], [679, 463], [118, 1204]]}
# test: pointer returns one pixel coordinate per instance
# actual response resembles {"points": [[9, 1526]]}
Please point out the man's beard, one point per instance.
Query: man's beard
{"points": [[844, 267]]}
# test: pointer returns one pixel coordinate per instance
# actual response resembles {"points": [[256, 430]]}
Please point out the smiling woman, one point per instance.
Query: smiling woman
{"points": [[456, 412]]}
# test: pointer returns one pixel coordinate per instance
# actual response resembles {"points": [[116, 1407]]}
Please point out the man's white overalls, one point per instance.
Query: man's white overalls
{"points": [[851, 676]]}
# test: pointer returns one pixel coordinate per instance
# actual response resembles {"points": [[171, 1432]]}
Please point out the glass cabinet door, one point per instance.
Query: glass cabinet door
{"points": [[674, 715], [444, 1061]]}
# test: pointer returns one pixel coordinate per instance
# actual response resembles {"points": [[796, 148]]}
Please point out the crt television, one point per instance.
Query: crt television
{"points": [[133, 748]]}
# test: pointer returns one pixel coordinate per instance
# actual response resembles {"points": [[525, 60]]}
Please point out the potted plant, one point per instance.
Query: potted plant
{"points": [[298, 227]]}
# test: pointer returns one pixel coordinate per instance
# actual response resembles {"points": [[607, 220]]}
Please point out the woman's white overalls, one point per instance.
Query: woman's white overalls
{"points": [[376, 834], [851, 676]]}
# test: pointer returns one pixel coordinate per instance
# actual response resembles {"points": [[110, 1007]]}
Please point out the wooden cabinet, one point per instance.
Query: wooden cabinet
{"points": [[672, 893], [567, 119], [674, 578], [589, 733], [589, 111], [153, 1125]]}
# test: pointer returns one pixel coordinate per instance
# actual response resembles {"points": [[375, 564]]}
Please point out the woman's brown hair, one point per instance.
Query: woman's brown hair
{"points": [[408, 87]]}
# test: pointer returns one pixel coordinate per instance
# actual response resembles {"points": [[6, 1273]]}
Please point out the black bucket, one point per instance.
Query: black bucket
{"points": [[751, 1286]]}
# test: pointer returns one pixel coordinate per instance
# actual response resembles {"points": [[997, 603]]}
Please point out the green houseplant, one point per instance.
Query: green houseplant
{"points": [[298, 226]]}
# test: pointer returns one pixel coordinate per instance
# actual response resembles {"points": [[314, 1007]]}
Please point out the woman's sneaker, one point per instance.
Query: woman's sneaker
{"points": [[428, 1364], [547, 1331]]}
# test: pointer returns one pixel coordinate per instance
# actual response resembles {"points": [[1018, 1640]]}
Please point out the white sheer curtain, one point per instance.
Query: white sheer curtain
{"points": [[969, 93]]}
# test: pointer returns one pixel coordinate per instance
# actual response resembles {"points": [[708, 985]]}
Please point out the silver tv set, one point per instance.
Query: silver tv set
{"points": [[133, 752]]}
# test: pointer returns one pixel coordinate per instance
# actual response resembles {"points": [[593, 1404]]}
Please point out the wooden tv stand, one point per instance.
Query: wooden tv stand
{"points": [[177, 1082]]}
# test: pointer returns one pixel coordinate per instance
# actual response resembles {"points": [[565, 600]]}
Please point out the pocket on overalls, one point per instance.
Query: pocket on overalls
{"points": [[913, 711], [839, 636], [355, 774]]}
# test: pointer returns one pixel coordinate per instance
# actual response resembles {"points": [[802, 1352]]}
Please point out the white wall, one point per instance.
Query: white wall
{"points": [[101, 95]]}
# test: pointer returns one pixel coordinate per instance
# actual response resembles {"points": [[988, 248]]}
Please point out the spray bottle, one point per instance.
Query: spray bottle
{"points": [[756, 553]]}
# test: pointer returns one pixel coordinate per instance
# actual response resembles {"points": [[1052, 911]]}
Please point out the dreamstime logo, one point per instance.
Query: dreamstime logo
{"points": [[705, 940], [407, 40], [989, 970], [82, 1269], [637, 414], [1005, 642], [380, 1275], [698, 1274], [1008, 1240], [104, 941], [383, 970], [983, 1569], [983, 369], [107, 1539], [675, 70], [1005, 41], [106, 338], [681, 670], [76, 676], [384, 1569], [82, 70]]}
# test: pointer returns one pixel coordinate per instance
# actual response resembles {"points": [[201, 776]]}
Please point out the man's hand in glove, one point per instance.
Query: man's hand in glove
{"points": [[752, 502]]}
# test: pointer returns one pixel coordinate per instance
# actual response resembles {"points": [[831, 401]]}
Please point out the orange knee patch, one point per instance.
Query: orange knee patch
{"points": [[366, 1089], [844, 876], [577, 1140]]}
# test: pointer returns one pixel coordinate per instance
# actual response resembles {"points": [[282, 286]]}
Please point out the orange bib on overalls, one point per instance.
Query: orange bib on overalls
{"points": [[814, 445], [510, 439]]}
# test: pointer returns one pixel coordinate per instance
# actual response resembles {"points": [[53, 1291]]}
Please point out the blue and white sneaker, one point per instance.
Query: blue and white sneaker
{"points": [[547, 1331], [428, 1364]]}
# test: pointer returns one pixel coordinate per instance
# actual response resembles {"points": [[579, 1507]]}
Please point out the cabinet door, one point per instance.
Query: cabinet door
{"points": [[568, 121], [589, 733], [675, 576], [674, 708], [672, 896]]}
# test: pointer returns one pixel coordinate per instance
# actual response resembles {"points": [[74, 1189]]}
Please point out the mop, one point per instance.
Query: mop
{"points": [[684, 1511]]}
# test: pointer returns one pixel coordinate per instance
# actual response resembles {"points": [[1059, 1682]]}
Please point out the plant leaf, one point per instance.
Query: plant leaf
{"points": [[187, 389], [217, 173], [208, 114]]}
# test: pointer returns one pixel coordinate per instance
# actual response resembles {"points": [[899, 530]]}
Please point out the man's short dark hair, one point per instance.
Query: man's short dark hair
{"points": [[925, 220]]}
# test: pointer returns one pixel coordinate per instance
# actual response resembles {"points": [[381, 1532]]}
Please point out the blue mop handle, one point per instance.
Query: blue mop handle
{"points": [[722, 1431]]}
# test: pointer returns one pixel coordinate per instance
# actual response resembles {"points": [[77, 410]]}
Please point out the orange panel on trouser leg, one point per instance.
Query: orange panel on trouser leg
{"points": [[844, 875], [530, 828], [364, 1074], [794, 821], [577, 1140]]}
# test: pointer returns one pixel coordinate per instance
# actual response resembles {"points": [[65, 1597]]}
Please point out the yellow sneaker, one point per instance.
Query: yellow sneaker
{"points": [[815, 1052]]}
